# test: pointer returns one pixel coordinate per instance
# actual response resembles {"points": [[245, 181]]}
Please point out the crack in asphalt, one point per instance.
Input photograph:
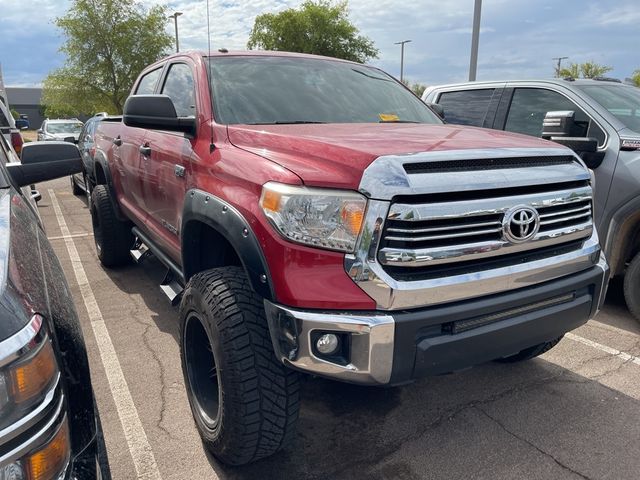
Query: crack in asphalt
{"points": [[533, 445]]}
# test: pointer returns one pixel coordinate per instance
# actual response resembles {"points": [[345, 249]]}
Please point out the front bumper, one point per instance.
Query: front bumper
{"points": [[390, 348]]}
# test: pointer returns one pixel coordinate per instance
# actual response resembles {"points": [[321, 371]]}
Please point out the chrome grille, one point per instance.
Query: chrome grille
{"points": [[433, 234]]}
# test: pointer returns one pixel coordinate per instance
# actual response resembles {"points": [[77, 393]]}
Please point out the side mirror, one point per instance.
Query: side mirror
{"points": [[560, 127], [39, 131], [42, 161], [438, 109], [156, 112], [70, 139]]}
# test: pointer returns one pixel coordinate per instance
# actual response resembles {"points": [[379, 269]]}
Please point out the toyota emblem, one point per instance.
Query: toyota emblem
{"points": [[520, 224]]}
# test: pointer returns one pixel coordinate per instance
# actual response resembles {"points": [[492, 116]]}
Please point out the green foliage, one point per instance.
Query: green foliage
{"points": [[108, 43], [317, 27], [417, 88], [584, 70], [636, 78], [15, 114]]}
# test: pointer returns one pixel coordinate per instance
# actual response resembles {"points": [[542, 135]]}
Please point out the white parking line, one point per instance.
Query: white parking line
{"points": [[75, 235], [603, 348], [143, 458]]}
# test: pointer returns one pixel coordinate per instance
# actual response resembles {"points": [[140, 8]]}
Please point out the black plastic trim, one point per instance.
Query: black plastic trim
{"points": [[230, 223]]}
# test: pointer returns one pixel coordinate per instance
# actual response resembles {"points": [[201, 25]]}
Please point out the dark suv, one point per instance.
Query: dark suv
{"points": [[604, 110], [49, 427]]}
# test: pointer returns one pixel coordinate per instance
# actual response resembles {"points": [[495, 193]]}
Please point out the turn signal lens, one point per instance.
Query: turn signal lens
{"points": [[352, 216], [271, 200], [30, 378], [50, 460]]}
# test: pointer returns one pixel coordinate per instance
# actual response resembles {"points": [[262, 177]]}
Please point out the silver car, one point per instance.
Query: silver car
{"points": [[60, 130]]}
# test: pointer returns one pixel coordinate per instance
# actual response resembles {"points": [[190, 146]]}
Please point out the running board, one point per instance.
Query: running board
{"points": [[172, 285], [171, 288]]}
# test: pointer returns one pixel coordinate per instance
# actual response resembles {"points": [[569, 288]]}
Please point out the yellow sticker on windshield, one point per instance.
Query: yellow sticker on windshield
{"points": [[388, 117]]}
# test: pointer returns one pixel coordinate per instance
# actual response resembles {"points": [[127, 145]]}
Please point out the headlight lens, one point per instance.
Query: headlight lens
{"points": [[25, 381], [318, 217]]}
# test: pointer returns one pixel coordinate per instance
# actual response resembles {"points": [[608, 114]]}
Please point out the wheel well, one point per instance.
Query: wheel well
{"points": [[204, 248], [627, 245], [101, 178]]}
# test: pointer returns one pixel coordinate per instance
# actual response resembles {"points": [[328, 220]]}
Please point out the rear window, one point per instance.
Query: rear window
{"points": [[468, 107]]}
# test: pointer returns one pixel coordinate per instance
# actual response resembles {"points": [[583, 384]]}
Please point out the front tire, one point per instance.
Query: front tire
{"points": [[531, 352], [113, 238], [632, 286], [244, 401]]}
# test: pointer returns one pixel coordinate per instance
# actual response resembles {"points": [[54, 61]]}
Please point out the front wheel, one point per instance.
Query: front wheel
{"points": [[244, 401], [632, 286], [531, 352]]}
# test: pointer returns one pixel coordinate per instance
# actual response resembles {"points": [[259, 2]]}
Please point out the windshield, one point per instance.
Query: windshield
{"points": [[284, 90], [64, 127], [623, 102]]}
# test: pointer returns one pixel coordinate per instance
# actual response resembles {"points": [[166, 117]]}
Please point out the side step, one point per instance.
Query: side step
{"points": [[172, 284]]}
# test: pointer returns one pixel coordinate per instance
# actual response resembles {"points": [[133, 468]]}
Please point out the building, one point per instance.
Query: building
{"points": [[27, 101]]}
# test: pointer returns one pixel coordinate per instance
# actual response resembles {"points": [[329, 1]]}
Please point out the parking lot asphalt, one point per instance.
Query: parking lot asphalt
{"points": [[572, 413]]}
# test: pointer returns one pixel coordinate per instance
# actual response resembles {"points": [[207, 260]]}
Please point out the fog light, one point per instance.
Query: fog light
{"points": [[328, 344]]}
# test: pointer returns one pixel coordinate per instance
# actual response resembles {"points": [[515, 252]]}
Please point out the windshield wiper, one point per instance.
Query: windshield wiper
{"points": [[290, 122]]}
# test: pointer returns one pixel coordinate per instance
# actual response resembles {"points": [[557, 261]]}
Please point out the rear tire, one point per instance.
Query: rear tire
{"points": [[632, 286], [531, 352], [75, 188], [113, 238], [244, 401]]}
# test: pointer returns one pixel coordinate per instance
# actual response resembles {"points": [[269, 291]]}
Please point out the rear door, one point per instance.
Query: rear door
{"points": [[127, 155], [475, 106], [167, 161]]}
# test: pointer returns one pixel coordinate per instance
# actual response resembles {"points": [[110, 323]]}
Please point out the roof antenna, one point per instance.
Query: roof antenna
{"points": [[212, 147]]}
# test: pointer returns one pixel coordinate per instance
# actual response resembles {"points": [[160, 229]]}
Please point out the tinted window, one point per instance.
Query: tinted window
{"points": [[467, 107], [179, 86], [530, 105], [621, 101], [271, 90], [148, 82]]}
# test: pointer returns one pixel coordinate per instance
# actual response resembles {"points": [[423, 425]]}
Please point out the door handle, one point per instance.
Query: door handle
{"points": [[117, 141], [145, 150]]}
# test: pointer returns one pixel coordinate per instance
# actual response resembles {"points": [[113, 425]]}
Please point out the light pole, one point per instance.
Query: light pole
{"points": [[402, 58], [475, 40], [559, 59], [175, 20]]}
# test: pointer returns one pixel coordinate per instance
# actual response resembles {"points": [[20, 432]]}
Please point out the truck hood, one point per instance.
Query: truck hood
{"points": [[336, 155]]}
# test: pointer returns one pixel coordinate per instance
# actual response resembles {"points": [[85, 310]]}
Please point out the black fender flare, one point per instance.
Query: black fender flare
{"points": [[230, 223], [622, 228], [104, 165]]}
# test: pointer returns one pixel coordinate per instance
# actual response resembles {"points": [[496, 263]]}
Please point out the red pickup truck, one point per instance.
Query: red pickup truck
{"points": [[315, 216]]}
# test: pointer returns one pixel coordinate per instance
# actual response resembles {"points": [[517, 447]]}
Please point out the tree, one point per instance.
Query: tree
{"points": [[636, 78], [14, 114], [317, 27], [417, 88], [108, 43], [584, 70]]}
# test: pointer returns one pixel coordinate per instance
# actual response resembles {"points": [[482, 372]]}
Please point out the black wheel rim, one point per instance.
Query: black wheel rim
{"points": [[202, 372]]}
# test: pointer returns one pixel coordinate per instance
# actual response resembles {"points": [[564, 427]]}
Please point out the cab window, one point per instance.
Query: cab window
{"points": [[530, 105], [467, 107], [148, 82], [179, 87]]}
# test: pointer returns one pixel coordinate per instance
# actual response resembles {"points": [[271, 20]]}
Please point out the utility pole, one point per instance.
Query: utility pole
{"points": [[475, 40], [402, 58], [175, 21], [559, 59]]}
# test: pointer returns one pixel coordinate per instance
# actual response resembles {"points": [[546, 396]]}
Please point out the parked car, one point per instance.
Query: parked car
{"points": [[81, 183], [604, 110], [8, 129], [49, 425], [22, 123], [317, 217], [60, 130]]}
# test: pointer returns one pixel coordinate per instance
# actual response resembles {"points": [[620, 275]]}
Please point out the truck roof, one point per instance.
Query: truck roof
{"points": [[565, 82]]}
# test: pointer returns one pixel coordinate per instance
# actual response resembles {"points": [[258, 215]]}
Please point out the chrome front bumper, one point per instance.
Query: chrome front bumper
{"points": [[382, 342]]}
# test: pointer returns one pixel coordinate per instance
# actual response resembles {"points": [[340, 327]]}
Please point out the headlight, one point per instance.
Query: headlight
{"points": [[318, 217], [28, 377]]}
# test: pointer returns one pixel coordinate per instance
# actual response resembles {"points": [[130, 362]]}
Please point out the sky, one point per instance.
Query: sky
{"points": [[518, 38]]}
